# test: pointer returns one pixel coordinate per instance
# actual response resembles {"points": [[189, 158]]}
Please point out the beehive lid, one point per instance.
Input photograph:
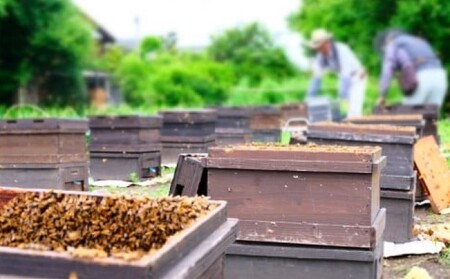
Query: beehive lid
{"points": [[189, 115], [415, 118], [433, 173], [43, 125], [125, 121], [310, 157], [352, 131]]}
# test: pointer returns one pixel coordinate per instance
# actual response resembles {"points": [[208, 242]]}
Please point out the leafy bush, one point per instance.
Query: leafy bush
{"points": [[252, 53]]}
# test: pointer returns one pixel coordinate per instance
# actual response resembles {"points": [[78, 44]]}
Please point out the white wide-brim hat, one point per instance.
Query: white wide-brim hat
{"points": [[318, 37]]}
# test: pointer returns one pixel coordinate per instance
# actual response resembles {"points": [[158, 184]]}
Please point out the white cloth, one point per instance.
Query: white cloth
{"points": [[431, 89], [350, 71], [356, 95]]}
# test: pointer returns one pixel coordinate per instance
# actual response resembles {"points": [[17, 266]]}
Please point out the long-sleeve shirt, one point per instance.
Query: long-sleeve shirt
{"points": [[403, 51], [343, 61]]}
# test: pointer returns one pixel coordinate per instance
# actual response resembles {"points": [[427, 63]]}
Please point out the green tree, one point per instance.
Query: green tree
{"points": [[43, 48], [252, 53]]}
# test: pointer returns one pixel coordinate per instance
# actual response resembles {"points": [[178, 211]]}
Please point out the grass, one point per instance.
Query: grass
{"points": [[444, 256]]}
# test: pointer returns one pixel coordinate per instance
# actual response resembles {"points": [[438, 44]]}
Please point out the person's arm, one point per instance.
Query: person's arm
{"points": [[387, 71], [316, 81]]}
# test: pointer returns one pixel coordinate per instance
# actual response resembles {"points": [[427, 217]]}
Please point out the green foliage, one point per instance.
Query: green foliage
{"points": [[174, 79], [45, 43], [252, 53], [444, 256], [357, 22]]}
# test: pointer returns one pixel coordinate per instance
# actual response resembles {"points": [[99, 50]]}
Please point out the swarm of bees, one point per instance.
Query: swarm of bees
{"points": [[114, 225]]}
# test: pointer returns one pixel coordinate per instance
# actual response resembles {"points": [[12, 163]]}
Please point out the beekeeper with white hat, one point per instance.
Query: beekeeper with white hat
{"points": [[339, 58]]}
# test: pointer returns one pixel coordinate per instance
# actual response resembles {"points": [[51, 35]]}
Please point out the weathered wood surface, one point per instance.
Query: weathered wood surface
{"points": [[119, 166], [44, 148], [51, 176], [294, 111], [189, 116], [365, 130], [412, 120], [246, 260], [301, 153], [399, 215], [398, 182], [125, 122], [290, 201], [266, 118], [399, 154], [433, 173], [429, 112], [126, 148], [42, 126], [124, 136], [195, 252], [204, 138], [190, 177], [233, 118]]}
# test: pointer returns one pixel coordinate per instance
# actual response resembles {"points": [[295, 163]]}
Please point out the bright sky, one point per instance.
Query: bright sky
{"points": [[194, 21]]}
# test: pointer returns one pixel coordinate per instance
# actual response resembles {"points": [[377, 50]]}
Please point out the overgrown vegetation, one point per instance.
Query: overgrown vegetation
{"points": [[44, 47]]}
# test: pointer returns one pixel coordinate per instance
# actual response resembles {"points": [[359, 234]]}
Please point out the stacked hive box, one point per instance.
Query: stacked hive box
{"points": [[266, 124], [295, 121], [44, 153], [319, 109], [123, 145], [187, 131], [195, 251], [429, 112], [233, 125], [411, 120], [397, 178], [305, 211]]}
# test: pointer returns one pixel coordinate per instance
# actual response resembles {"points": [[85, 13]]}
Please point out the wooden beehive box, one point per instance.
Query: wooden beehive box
{"points": [[429, 112], [396, 142], [44, 153], [300, 194], [47, 140], [190, 177], [233, 125], [193, 126], [266, 124], [194, 252], [125, 133], [411, 120]]}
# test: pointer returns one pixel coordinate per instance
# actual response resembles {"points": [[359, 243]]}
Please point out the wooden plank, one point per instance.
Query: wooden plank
{"points": [[399, 207], [433, 173], [295, 152], [292, 165], [125, 121], [285, 196], [188, 116], [190, 177], [189, 139], [43, 125], [361, 129], [125, 136], [357, 236], [44, 159], [125, 148]]}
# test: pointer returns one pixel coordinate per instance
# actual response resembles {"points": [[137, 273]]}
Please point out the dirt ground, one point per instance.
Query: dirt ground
{"points": [[398, 267]]}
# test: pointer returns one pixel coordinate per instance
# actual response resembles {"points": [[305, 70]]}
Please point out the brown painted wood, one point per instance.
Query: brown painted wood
{"points": [[294, 111], [329, 198], [42, 125], [398, 182], [295, 165], [267, 136], [357, 236], [429, 112], [126, 148], [286, 152], [192, 253], [125, 121], [188, 139], [266, 118], [433, 173], [189, 116], [232, 138], [190, 177], [363, 129]]}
